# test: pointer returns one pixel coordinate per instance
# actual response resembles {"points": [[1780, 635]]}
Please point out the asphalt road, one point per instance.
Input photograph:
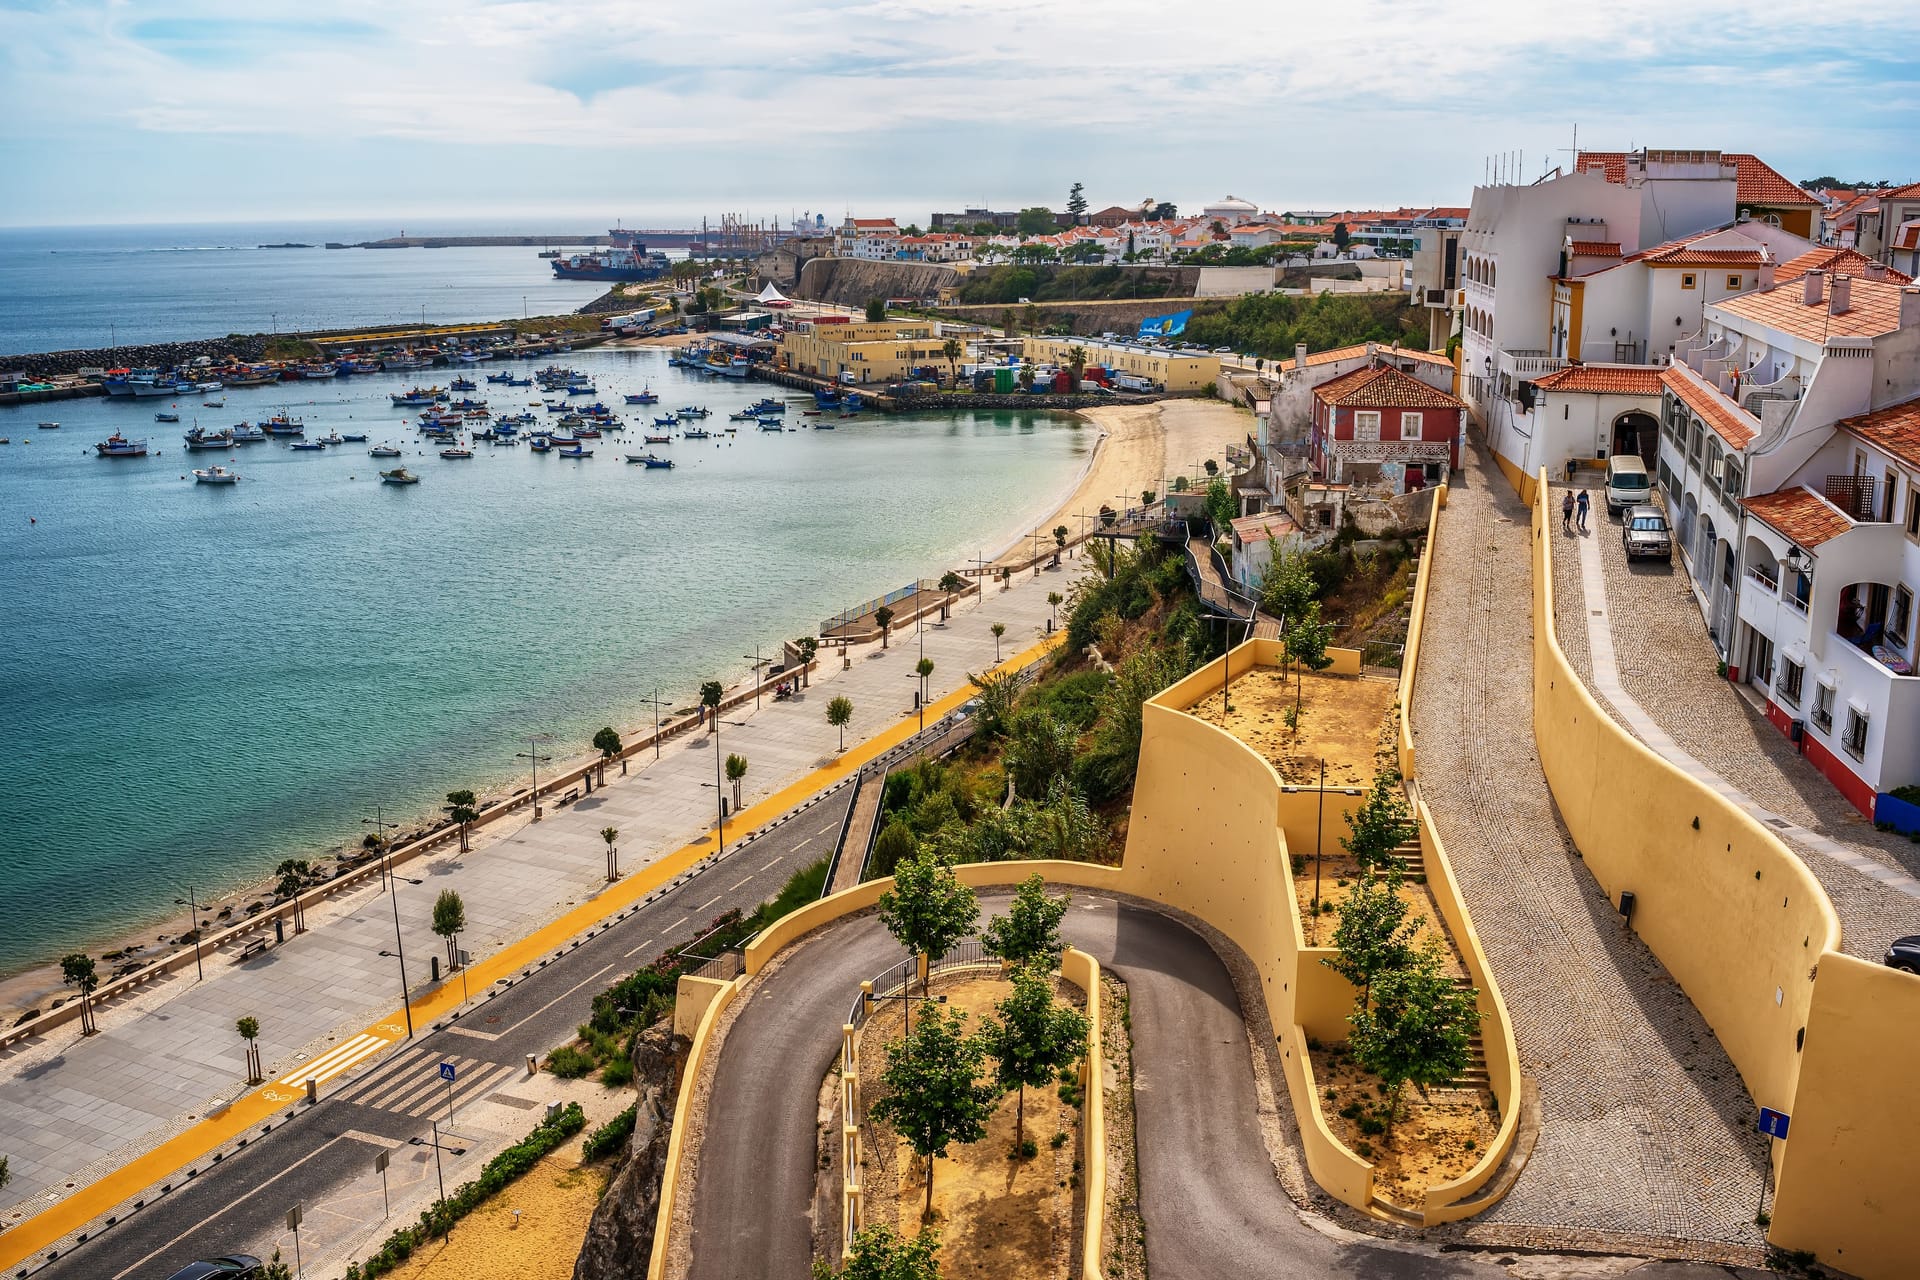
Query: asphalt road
{"points": [[245, 1198]]}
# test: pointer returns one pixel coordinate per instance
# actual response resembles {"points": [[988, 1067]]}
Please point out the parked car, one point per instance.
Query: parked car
{"points": [[1904, 953], [1644, 532], [234, 1266]]}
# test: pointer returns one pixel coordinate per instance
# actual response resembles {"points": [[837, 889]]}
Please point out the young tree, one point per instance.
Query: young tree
{"points": [[711, 692], [934, 1097], [876, 310], [607, 743], [276, 1269], [1054, 601], [1306, 641], [611, 834], [77, 971], [1381, 824], [999, 629], [1419, 1027], [1212, 468], [249, 1029], [1029, 934], [1032, 1040], [463, 808], [293, 873], [895, 845], [839, 712], [809, 647], [923, 669], [879, 1252], [1221, 508], [1287, 589], [1040, 748], [1146, 497], [1076, 201], [928, 909], [884, 616], [953, 350], [998, 693], [1374, 935], [450, 921], [736, 770]]}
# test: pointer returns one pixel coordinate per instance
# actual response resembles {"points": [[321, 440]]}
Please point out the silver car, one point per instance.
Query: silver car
{"points": [[1644, 532]]}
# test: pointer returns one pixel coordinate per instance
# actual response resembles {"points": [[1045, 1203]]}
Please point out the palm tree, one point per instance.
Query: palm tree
{"points": [[1076, 363], [952, 350], [839, 712], [736, 770], [610, 834], [884, 616], [999, 629], [1054, 600]]}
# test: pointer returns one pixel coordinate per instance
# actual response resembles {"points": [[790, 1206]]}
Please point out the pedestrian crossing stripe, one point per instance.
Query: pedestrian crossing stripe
{"points": [[341, 1057], [414, 1087]]}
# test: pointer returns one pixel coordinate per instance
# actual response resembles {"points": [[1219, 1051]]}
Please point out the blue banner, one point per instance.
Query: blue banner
{"points": [[1165, 326]]}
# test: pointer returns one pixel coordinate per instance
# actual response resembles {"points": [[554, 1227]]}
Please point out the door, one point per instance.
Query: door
{"points": [[1759, 668]]}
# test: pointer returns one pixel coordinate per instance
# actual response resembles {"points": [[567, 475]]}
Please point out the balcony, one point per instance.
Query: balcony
{"points": [[1529, 364]]}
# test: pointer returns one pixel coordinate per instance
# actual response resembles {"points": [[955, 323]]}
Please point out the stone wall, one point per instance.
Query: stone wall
{"points": [[46, 364]]}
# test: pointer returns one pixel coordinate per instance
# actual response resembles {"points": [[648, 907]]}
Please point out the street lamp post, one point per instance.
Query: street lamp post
{"points": [[399, 951], [380, 828], [758, 663], [533, 753], [446, 1227], [192, 905]]}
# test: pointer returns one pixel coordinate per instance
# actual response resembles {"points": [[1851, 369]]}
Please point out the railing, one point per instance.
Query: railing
{"points": [[1527, 363], [840, 842], [1795, 603], [1756, 574], [846, 616]]}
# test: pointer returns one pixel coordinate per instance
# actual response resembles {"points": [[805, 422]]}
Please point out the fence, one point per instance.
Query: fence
{"points": [[847, 616]]}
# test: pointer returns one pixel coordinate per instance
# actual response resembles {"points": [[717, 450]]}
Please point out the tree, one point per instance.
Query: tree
{"points": [[249, 1029], [1212, 467], [1165, 211], [611, 834], [1077, 201], [953, 350], [1340, 236], [6, 1174], [876, 310], [711, 692], [999, 629], [1029, 934], [1220, 505], [276, 1269], [293, 873], [998, 694], [879, 1252], [1076, 363], [463, 808], [1374, 934], [736, 770], [1380, 825], [1032, 1040], [1181, 484], [1288, 588], [928, 909], [884, 616], [77, 971], [1054, 600], [1146, 497], [1031, 319], [1306, 641], [607, 743], [839, 712], [923, 669], [1026, 371], [450, 921], [1009, 323], [934, 1095], [896, 844], [1419, 1027], [1037, 221], [1040, 748], [809, 647]]}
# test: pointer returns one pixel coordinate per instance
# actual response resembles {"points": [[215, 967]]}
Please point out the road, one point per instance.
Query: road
{"points": [[241, 1203]]}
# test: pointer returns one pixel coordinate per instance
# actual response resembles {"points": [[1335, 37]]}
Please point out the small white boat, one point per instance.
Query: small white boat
{"points": [[166, 417], [49, 426], [214, 404], [215, 475], [399, 475], [383, 451], [456, 453]]}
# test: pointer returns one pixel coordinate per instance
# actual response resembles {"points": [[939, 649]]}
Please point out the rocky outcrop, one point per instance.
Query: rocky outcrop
{"points": [[850, 282], [619, 1239]]}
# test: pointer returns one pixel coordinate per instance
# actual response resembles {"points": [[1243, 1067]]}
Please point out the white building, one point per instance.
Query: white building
{"points": [[1230, 212], [874, 239]]}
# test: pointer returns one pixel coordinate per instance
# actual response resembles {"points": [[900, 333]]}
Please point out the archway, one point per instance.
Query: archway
{"points": [[1637, 432]]}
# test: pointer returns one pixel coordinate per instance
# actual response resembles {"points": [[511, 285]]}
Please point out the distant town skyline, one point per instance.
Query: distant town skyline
{"points": [[216, 112]]}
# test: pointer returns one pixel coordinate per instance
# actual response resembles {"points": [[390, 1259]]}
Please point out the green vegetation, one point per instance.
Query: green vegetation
{"points": [[999, 285], [839, 712], [1030, 931], [881, 1253], [282, 348], [463, 808], [611, 1136], [1417, 1029], [876, 310], [1375, 935], [934, 1097], [607, 743], [77, 971], [1033, 1040], [450, 921], [1380, 825], [1270, 324], [928, 910]]}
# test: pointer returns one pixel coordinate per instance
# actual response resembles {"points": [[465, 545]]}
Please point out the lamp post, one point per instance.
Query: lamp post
{"points": [[399, 951], [380, 828], [533, 753], [192, 905], [758, 663], [439, 1175]]}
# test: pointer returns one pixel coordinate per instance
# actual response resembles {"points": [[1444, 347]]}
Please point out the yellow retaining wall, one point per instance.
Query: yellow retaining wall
{"points": [[682, 1116], [1416, 623], [1346, 662], [691, 996], [1083, 971], [1852, 1157]]}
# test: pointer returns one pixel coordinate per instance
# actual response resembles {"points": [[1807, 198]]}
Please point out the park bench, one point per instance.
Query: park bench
{"points": [[254, 946]]}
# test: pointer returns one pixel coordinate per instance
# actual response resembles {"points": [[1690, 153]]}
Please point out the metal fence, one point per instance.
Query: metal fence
{"points": [[895, 596]]}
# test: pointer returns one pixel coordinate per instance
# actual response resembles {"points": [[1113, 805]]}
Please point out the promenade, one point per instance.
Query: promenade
{"points": [[88, 1123]]}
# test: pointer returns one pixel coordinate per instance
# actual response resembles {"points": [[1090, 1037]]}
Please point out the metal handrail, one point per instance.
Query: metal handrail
{"points": [[846, 823]]}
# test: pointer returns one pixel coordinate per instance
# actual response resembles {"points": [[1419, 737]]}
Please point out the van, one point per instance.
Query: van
{"points": [[1628, 484]]}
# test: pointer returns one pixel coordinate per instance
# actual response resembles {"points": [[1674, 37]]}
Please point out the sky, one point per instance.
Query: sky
{"points": [[568, 115]]}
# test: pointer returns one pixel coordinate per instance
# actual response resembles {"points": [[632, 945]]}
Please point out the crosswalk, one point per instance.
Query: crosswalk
{"points": [[342, 1057], [413, 1086]]}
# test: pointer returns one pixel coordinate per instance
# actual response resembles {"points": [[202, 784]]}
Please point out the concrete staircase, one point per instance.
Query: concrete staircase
{"points": [[1413, 863]]}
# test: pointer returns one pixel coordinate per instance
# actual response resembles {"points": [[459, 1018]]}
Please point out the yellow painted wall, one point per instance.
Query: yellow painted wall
{"points": [[697, 1054], [691, 996], [1851, 1160], [1174, 370], [1416, 623], [1083, 971]]}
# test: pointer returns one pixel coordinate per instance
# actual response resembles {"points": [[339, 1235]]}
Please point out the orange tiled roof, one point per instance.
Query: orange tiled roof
{"points": [[1601, 379], [1597, 248], [1801, 514], [1708, 258], [1831, 260], [1909, 236], [1336, 354], [1732, 425], [1875, 310], [1755, 181], [1383, 385], [1909, 192], [1895, 428]]}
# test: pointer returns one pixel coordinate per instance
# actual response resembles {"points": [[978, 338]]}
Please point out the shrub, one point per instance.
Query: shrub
{"points": [[1363, 1149], [570, 1063], [1028, 1150], [1372, 1126], [1070, 1093], [618, 1072], [609, 1137], [1059, 1140]]}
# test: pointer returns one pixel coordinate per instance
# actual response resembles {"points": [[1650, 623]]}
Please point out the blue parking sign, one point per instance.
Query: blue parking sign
{"points": [[446, 1072], [1774, 1123]]}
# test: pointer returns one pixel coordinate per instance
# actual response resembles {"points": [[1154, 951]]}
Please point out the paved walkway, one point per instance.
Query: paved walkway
{"points": [[168, 1061], [1660, 645], [1645, 1126]]}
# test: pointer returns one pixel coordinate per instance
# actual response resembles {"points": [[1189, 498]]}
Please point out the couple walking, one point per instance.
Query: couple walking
{"points": [[1568, 508]]}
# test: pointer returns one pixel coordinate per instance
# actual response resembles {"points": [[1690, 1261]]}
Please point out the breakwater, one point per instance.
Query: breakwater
{"points": [[47, 364]]}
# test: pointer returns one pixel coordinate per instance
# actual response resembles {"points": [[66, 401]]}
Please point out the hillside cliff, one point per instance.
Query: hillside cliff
{"points": [[849, 282], [619, 1239]]}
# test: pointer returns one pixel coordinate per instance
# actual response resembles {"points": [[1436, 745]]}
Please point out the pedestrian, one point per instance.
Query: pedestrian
{"points": [[1583, 505], [1566, 513]]}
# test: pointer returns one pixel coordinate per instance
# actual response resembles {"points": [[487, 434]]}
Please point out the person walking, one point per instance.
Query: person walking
{"points": [[1566, 513], [1581, 507]]}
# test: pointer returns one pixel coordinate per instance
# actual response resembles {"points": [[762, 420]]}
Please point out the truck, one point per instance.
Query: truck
{"points": [[632, 320], [1132, 382]]}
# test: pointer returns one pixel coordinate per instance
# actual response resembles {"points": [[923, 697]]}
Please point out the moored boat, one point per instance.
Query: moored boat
{"points": [[399, 475], [651, 461], [166, 417], [659, 439], [207, 442], [353, 437], [697, 433], [383, 451], [245, 433], [575, 451], [456, 453], [308, 446], [643, 397], [215, 475], [118, 446], [282, 425]]}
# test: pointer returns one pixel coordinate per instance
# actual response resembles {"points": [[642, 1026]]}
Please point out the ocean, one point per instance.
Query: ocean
{"points": [[82, 287], [196, 682]]}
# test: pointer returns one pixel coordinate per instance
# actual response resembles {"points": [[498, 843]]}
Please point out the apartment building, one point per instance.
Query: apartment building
{"points": [[1380, 428], [1760, 193], [1134, 364], [1890, 229], [874, 239], [879, 351]]}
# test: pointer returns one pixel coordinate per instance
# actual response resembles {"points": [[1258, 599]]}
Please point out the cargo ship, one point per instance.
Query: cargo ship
{"points": [[622, 262]]}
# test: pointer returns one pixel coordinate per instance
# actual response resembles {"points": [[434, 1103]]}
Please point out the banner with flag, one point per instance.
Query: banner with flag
{"points": [[1165, 326]]}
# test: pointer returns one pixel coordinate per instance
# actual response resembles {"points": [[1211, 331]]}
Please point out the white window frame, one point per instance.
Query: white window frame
{"points": [[1855, 741], [1413, 425], [1900, 614], [1791, 686], [1366, 424]]}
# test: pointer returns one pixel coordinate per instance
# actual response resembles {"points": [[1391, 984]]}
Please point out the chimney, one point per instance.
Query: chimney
{"points": [[1842, 300], [1876, 271], [1299, 355], [1816, 288], [1910, 306], [1767, 267]]}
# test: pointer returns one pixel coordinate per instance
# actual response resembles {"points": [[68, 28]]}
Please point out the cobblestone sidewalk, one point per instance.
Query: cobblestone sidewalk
{"points": [[1645, 1125]]}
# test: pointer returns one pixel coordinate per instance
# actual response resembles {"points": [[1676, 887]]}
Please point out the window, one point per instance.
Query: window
{"points": [[1913, 512], [1901, 615], [1410, 428], [1856, 739], [1733, 283], [1823, 708], [1366, 424], [1788, 685], [1686, 280]]}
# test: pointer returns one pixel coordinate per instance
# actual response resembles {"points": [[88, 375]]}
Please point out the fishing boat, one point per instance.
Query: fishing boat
{"points": [[317, 372], [416, 398], [166, 417], [696, 433], [383, 451], [694, 411], [118, 446], [205, 442], [140, 383], [501, 379], [246, 433], [463, 384], [400, 364], [580, 390], [540, 444], [575, 451], [282, 425], [745, 415], [485, 433], [456, 453], [215, 475], [332, 437], [49, 426], [643, 397], [206, 388], [307, 446], [669, 421], [214, 404], [519, 382], [252, 378], [353, 437], [399, 475], [659, 439], [823, 426], [811, 413], [767, 404], [768, 424], [652, 462]]}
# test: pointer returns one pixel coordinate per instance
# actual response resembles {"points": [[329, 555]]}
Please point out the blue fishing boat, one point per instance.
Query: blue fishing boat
{"points": [[540, 444], [463, 384], [669, 421], [576, 451], [653, 462], [643, 397]]}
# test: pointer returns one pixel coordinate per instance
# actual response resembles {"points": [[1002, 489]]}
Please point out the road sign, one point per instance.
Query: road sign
{"points": [[293, 1218], [380, 1161], [446, 1072], [1773, 1123]]}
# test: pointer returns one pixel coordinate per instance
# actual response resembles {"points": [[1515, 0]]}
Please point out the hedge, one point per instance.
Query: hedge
{"points": [[607, 1138]]}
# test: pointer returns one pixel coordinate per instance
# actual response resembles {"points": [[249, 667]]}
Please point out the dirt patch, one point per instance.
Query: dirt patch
{"points": [[1338, 876], [1123, 1231], [998, 1216], [1436, 1139], [1343, 719], [554, 1200]]}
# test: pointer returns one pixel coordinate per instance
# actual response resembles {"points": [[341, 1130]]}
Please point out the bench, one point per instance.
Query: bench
{"points": [[255, 946]]}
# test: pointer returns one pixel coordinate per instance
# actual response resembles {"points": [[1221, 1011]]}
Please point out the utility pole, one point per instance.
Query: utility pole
{"points": [[533, 753], [193, 907], [380, 828], [757, 664]]}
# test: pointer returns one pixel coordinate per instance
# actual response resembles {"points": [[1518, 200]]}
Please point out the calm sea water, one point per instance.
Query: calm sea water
{"points": [[197, 681], [71, 287]]}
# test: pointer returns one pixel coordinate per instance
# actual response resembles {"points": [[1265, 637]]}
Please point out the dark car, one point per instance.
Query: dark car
{"points": [[234, 1266], [1904, 953], [1644, 532]]}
